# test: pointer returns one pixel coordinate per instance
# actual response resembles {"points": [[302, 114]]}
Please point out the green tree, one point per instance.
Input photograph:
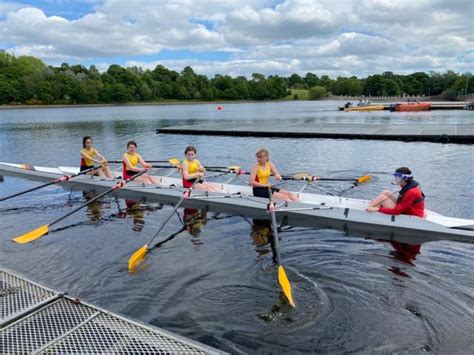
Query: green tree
{"points": [[317, 92], [390, 87], [374, 86], [45, 92], [311, 80]]}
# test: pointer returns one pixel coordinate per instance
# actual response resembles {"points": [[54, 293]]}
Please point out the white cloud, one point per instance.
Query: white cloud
{"points": [[8, 6], [244, 67], [325, 36], [289, 20]]}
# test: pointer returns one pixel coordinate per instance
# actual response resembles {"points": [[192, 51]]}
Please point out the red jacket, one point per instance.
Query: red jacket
{"points": [[411, 202]]}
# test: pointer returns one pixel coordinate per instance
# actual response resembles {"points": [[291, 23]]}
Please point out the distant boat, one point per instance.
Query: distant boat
{"points": [[365, 108], [410, 106]]}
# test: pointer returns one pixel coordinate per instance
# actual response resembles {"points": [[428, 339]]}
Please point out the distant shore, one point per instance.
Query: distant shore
{"points": [[190, 102]]}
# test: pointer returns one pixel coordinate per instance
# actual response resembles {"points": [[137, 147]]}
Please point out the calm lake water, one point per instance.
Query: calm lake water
{"points": [[215, 281]]}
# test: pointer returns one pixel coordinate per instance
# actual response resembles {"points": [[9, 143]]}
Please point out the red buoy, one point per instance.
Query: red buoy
{"points": [[219, 108]]}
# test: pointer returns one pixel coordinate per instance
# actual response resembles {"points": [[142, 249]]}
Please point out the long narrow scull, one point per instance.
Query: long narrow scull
{"points": [[314, 210]]}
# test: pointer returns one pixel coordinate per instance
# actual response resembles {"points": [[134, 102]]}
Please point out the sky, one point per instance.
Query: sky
{"points": [[241, 37]]}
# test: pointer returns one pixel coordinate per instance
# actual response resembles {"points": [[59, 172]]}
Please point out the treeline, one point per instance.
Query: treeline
{"points": [[27, 80]]}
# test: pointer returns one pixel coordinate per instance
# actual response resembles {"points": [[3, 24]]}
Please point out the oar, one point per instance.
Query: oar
{"points": [[138, 257], [227, 169], [61, 179], [148, 161], [39, 232], [308, 177], [282, 278]]}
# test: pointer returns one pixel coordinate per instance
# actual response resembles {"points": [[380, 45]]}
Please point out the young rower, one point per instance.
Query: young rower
{"points": [[259, 178], [410, 199], [89, 156], [192, 169], [130, 162]]}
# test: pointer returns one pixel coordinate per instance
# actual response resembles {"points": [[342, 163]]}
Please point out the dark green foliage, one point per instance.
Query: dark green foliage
{"points": [[317, 92], [27, 80]]}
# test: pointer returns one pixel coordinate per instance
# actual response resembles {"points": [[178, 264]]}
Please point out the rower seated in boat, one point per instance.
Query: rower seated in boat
{"points": [[89, 156], [192, 171], [260, 175], [410, 201], [130, 168]]}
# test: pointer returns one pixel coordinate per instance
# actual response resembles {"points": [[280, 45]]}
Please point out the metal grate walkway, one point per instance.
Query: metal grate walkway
{"points": [[35, 319]]}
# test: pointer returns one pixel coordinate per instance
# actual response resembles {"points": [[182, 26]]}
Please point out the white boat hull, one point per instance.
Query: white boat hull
{"points": [[314, 210]]}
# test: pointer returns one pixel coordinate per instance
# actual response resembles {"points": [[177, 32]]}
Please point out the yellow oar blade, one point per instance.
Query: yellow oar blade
{"points": [[302, 176], [33, 235], [174, 161], [233, 167], [285, 285], [364, 178], [137, 258]]}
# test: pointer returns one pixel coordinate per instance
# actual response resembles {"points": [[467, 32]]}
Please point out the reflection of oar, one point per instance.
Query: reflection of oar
{"points": [[39, 232], [282, 278], [308, 177], [138, 257], [61, 179]]}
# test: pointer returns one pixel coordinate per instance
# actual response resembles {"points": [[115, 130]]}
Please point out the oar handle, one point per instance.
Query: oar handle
{"points": [[227, 170], [291, 177], [148, 161], [95, 198]]}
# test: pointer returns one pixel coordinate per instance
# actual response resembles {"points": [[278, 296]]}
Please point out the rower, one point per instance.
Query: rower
{"points": [[410, 199], [130, 162], [89, 156], [259, 178], [192, 170]]}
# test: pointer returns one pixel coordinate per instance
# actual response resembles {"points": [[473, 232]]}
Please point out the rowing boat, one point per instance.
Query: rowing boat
{"points": [[314, 210]]}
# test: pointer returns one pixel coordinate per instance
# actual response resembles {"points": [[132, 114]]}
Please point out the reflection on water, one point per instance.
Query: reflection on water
{"points": [[195, 220], [137, 211], [405, 253], [94, 208], [261, 234]]}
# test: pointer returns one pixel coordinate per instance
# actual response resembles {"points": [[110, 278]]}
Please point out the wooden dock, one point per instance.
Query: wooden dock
{"points": [[438, 133]]}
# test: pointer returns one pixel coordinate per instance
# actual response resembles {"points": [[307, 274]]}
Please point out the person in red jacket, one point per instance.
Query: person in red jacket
{"points": [[410, 199]]}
